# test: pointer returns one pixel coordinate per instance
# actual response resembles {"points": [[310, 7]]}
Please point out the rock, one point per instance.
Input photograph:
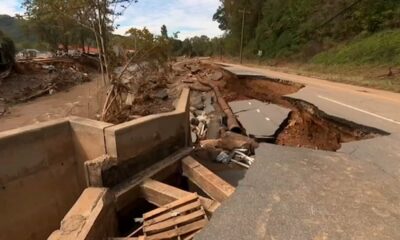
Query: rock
{"points": [[195, 69], [52, 91], [198, 106], [194, 137], [208, 103], [216, 76], [197, 103], [193, 109], [161, 94], [194, 121]]}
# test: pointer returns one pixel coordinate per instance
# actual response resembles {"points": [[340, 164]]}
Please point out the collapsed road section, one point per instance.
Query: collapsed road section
{"points": [[306, 125]]}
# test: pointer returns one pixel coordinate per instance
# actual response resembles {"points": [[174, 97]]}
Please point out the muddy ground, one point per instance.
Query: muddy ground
{"points": [[34, 78]]}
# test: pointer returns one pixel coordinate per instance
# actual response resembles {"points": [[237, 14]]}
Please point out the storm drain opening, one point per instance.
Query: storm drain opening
{"points": [[174, 203], [304, 126]]}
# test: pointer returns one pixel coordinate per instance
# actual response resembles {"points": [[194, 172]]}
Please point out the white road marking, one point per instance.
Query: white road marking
{"points": [[267, 119], [258, 110], [360, 110]]}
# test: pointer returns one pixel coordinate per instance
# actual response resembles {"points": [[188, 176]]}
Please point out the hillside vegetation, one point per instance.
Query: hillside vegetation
{"points": [[302, 28], [18, 31], [379, 48], [354, 41]]}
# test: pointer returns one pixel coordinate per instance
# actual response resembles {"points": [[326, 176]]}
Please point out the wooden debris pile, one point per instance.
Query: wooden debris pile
{"points": [[181, 219], [140, 89]]}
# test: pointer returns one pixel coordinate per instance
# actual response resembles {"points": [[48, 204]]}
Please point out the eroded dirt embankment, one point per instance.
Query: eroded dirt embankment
{"points": [[306, 126]]}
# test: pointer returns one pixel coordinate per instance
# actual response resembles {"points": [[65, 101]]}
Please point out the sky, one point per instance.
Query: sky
{"points": [[189, 17]]}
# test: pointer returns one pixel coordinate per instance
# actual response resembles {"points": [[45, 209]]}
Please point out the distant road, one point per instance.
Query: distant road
{"points": [[370, 107]]}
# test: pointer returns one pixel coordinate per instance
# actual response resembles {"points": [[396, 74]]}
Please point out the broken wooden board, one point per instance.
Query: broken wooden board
{"points": [[180, 219], [159, 194], [217, 188]]}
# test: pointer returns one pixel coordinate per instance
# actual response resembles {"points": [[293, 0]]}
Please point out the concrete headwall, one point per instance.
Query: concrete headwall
{"points": [[43, 170], [88, 140], [140, 143]]}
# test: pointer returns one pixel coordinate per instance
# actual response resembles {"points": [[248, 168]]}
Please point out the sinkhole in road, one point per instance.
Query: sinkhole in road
{"points": [[306, 125]]}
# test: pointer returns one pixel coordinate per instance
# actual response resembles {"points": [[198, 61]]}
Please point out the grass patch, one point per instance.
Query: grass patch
{"points": [[365, 61], [381, 48], [373, 76]]}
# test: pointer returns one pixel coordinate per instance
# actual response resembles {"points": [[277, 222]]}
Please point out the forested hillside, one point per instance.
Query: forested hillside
{"points": [[302, 29], [18, 31]]}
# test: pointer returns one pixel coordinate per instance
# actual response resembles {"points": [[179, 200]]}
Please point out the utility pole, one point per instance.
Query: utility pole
{"points": [[244, 12]]}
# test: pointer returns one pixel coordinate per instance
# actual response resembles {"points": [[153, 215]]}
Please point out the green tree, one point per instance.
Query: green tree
{"points": [[7, 50], [59, 18], [284, 28], [140, 39]]}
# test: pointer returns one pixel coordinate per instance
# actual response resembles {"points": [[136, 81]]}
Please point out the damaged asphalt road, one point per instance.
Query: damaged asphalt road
{"points": [[300, 193]]}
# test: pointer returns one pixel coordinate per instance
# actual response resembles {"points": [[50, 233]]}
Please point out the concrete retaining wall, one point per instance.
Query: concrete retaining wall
{"points": [[38, 178], [43, 169]]}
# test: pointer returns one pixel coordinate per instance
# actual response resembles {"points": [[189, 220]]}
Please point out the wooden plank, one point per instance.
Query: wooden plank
{"points": [[191, 236], [180, 231], [126, 192], [174, 221], [180, 210], [179, 202], [160, 194], [214, 186]]}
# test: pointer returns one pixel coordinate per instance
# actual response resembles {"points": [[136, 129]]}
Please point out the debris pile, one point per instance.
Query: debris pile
{"points": [[38, 77], [215, 128], [139, 90], [231, 148]]}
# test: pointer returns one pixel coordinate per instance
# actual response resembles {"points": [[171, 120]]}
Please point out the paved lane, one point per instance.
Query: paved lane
{"points": [[375, 108]]}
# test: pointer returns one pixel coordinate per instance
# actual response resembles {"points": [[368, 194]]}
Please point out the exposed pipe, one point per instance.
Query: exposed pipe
{"points": [[232, 122]]}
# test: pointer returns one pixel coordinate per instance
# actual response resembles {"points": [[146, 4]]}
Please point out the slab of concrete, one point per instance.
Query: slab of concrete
{"points": [[292, 193], [241, 72], [258, 118]]}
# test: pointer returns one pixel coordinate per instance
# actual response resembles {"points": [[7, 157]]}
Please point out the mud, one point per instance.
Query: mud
{"points": [[306, 126]]}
